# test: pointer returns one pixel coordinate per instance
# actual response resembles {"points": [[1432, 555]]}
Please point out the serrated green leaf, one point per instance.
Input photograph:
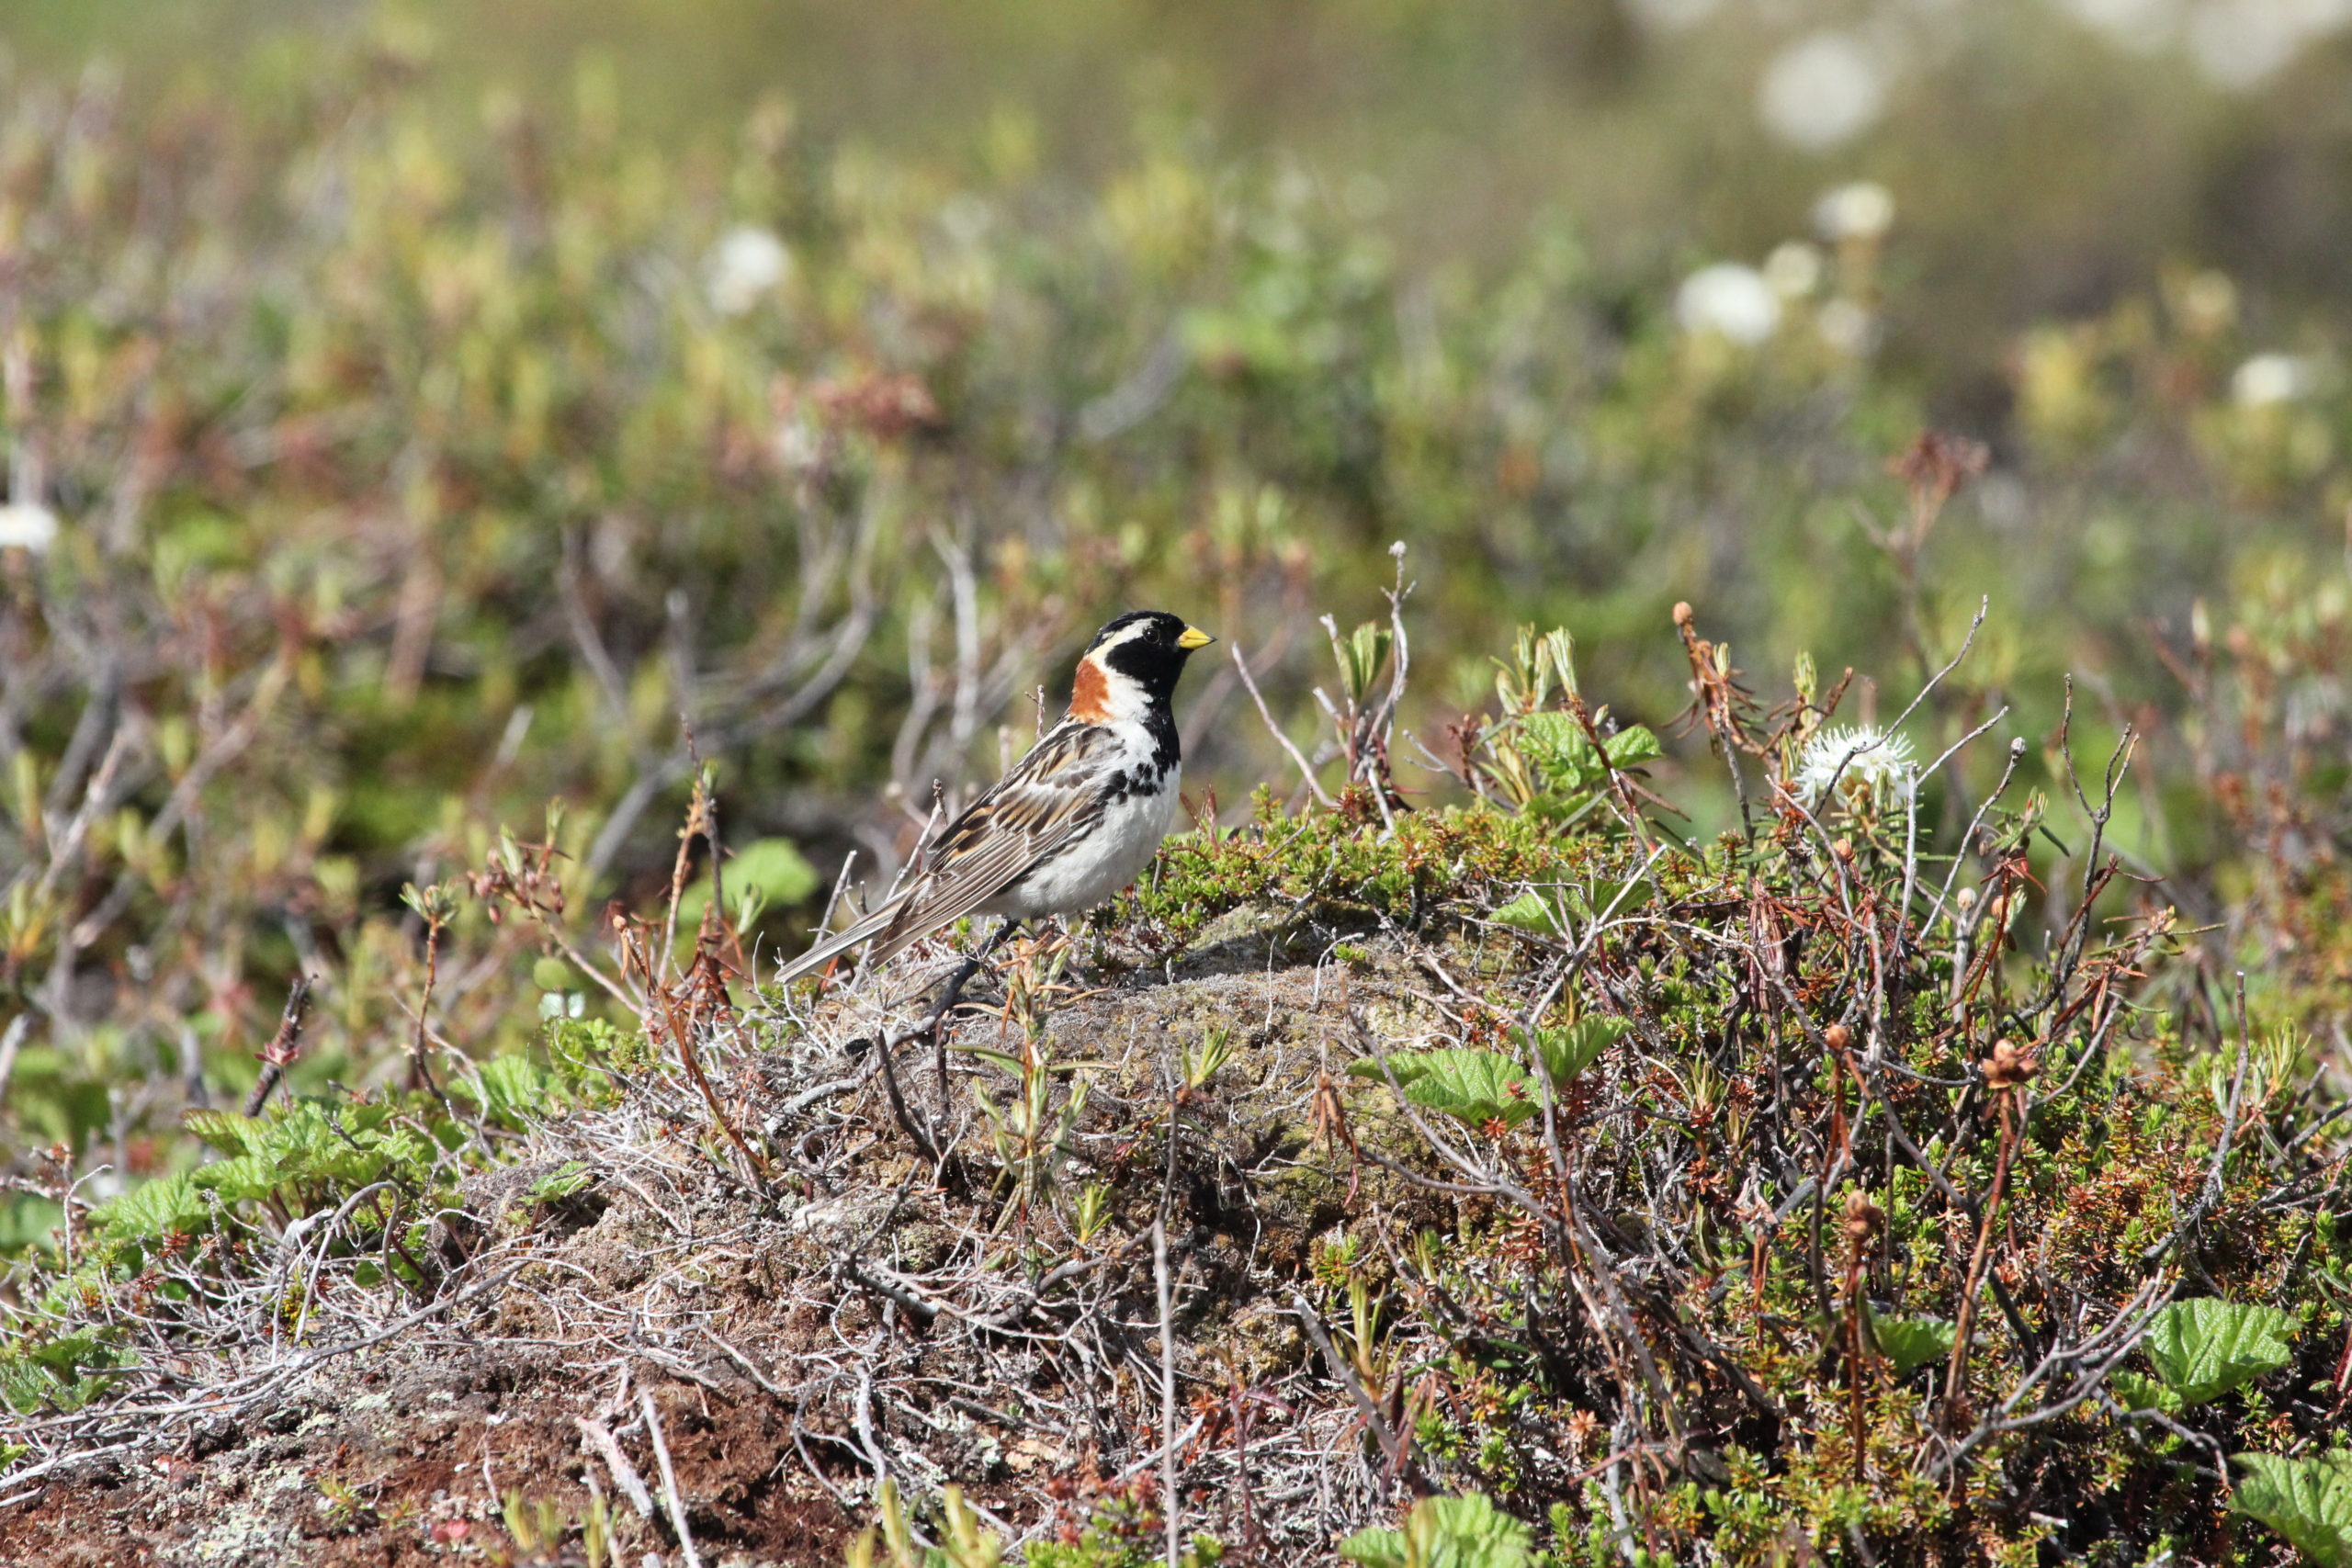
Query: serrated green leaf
{"points": [[2204, 1348], [565, 1180], [1468, 1531], [237, 1179], [1476, 1087], [1557, 744], [1608, 897], [1375, 1548], [1531, 911], [1564, 1051], [62, 1373], [1404, 1066], [1911, 1342], [2134, 1392], [1633, 746], [511, 1090], [153, 1209], [2308, 1501], [223, 1129]]}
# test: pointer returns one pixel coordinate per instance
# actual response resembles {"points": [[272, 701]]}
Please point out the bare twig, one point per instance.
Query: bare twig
{"points": [[669, 1479], [283, 1048], [600, 1441], [1306, 769]]}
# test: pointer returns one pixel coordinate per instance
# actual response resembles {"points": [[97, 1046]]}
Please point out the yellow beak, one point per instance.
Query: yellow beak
{"points": [[1194, 637]]}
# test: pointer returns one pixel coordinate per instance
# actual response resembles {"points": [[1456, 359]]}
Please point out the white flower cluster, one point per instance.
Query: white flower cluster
{"points": [[1855, 760], [743, 268], [2269, 379], [1824, 89], [28, 525], [1747, 306]]}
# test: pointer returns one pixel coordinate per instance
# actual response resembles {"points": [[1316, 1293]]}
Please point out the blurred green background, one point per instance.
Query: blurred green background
{"points": [[2047, 155], [414, 411]]}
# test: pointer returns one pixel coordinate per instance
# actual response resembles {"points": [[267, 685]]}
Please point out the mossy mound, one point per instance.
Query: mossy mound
{"points": [[1690, 1203]]}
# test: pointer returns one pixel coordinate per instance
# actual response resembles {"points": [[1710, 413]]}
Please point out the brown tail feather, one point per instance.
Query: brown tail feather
{"points": [[840, 942]]}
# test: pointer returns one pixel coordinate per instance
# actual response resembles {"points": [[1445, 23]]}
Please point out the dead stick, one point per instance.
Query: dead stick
{"points": [[283, 1048], [625, 1475], [1170, 1508], [669, 1480]]}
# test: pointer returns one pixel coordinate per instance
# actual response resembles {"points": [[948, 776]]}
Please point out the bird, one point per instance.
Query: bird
{"points": [[1072, 822]]}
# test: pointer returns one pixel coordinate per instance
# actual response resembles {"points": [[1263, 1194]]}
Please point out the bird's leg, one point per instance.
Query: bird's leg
{"points": [[937, 1026]]}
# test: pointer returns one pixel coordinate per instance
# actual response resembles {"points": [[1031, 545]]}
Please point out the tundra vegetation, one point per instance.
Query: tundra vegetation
{"points": [[1575, 1100]]}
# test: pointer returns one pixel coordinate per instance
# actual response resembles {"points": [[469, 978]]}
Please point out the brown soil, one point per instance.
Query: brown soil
{"points": [[403, 1460]]}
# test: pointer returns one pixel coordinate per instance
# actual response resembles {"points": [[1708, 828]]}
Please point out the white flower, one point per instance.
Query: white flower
{"points": [[1857, 761], [28, 525], [1859, 209], [2268, 379], [1729, 300], [1846, 327], [745, 264], [1794, 269], [1822, 90]]}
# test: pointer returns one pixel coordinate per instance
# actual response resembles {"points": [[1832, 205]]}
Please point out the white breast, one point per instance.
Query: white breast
{"points": [[1099, 864]]}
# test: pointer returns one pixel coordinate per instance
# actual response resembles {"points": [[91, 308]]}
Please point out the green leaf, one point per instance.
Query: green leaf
{"points": [[1404, 1068], [2136, 1392], [770, 873], [1911, 1342], [2203, 1348], [512, 1090], [1609, 898], [224, 1130], [565, 1180], [1633, 746], [1468, 1531], [1531, 911], [238, 1178], [64, 1372], [1360, 658], [2308, 1501], [1556, 743], [1565, 1051], [1477, 1087], [153, 1209]]}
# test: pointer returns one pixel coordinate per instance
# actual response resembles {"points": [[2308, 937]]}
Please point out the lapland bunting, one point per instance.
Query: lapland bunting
{"points": [[1073, 822]]}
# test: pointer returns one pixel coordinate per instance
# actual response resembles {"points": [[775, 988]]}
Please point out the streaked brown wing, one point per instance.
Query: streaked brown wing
{"points": [[1051, 795]]}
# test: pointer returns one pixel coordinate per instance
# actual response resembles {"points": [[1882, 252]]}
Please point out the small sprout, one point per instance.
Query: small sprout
{"points": [[1203, 1062], [1092, 1210], [596, 1532], [536, 1525]]}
